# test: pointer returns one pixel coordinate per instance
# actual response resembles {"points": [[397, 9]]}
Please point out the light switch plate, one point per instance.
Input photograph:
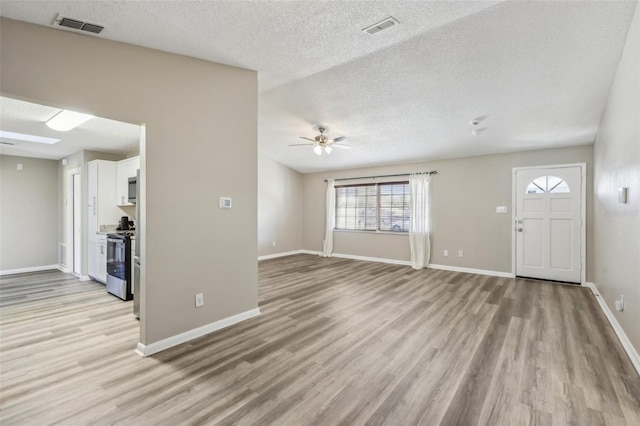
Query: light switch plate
{"points": [[623, 194], [501, 209], [225, 202]]}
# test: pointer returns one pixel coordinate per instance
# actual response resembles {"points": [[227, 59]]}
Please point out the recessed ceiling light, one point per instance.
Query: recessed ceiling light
{"points": [[27, 138], [66, 120]]}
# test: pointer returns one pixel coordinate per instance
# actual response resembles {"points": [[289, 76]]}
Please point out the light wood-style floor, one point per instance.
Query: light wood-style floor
{"points": [[339, 342]]}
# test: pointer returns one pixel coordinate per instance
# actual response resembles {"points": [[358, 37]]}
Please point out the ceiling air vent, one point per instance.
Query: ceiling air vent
{"points": [[77, 25], [382, 25], [7, 143]]}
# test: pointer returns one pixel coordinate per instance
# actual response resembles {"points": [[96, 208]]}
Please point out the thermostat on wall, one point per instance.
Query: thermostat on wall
{"points": [[225, 202]]}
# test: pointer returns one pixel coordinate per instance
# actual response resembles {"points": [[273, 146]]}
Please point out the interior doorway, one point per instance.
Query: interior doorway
{"points": [[77, 225], [74, 222], [549, 222]]}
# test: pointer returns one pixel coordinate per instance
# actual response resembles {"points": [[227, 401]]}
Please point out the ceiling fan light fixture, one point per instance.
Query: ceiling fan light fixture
{"points": [[317, 149], [328, 149]]}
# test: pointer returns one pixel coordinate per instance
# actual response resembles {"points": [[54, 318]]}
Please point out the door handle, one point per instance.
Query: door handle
{"points": [[519, 229]]}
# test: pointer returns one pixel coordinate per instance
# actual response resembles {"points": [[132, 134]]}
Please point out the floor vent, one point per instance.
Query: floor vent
{"points": [[77, 25], [380, 26], [62, 254]]}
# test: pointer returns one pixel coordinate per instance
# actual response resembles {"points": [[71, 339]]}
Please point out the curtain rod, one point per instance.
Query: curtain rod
{"points": [[433, 172]]}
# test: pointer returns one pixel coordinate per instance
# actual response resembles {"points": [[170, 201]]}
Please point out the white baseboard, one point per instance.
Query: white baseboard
{"points": [[84, 278], [31, 269], [153, 348], [317, 253], [372, 259], [283, 254], [622, 336], [63, 268], [408, 263], [472, 270], [356, 257]]}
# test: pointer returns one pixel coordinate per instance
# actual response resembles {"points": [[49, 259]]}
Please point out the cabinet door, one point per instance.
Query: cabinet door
{"points": [[101, 257], [92, 190], [93, 259], [93, 183], [124, 170]]}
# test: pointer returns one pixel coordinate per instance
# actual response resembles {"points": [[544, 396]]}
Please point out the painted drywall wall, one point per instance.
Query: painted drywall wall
{"points": [[617, 164], [279, 208], [28, 213], [201, 144], [465, 193]]}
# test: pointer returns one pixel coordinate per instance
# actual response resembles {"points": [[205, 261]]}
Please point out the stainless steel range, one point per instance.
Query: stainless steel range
{"points": [[119, 264]]}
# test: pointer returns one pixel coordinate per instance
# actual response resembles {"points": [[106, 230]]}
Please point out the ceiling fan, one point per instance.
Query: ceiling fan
{"points": [[322, 143]]}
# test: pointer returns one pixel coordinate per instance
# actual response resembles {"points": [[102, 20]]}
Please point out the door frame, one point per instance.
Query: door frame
{"points": [[69, 219], [583, 213]]}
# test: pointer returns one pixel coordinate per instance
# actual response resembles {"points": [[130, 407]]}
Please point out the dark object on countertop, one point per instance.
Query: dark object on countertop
{"points": [[124, 223]]}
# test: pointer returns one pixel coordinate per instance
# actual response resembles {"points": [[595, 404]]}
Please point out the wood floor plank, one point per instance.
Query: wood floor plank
{"points": [[339, 342]]}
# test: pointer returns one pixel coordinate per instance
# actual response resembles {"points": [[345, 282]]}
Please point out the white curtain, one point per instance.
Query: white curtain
{"points": [[419, 227], [327, 248]]}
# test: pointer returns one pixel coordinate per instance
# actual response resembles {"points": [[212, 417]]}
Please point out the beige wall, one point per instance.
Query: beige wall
{"points": [[465, 193], [617, 164], [279, 208], [201, 144], [28, 213]]}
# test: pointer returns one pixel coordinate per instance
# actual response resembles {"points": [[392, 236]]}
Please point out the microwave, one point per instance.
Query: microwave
{"points": [[133, 189]]}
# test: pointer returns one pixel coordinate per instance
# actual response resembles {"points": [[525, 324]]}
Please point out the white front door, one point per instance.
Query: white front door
{"points": [[548, 223]]}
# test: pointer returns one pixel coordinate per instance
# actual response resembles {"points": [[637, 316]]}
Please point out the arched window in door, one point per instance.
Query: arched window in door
{"points": [[550, 184]]}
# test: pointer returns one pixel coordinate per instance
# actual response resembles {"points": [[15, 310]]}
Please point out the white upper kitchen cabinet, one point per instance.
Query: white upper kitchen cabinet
{"points": [[102, 208], [125, 170]]}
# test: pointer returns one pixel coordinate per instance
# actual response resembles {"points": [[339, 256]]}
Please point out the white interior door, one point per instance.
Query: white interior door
{"points": [[548, 223], [77, 225]]}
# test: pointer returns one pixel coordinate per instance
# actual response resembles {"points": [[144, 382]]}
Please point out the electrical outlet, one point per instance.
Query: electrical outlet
{"points": [[460, 253], [620, 303], [446, 253], [273, 243], [199, 300]]}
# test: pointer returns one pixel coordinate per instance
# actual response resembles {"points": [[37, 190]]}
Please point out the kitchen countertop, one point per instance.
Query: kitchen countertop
{"points": [[109, 229]]}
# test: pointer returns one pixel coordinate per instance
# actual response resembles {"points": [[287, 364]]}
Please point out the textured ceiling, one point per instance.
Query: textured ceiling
{"points": [[538, 73], [97, 134], [282, 40]]}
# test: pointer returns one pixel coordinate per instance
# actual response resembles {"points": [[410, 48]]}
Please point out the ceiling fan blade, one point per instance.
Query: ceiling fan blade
{"points": [[309, 139], [300, 144], [339, 145], [339, 139]]}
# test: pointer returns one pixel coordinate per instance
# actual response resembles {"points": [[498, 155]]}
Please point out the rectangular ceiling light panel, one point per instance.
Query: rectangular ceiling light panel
{"points": [[66, 120], [26, 137]]}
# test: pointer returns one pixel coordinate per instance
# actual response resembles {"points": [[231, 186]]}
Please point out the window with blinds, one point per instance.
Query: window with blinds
{"points": [[373, 207]]}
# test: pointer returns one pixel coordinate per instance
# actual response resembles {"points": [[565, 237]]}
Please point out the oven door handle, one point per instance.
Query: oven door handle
{"points": [[115, 240]]}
